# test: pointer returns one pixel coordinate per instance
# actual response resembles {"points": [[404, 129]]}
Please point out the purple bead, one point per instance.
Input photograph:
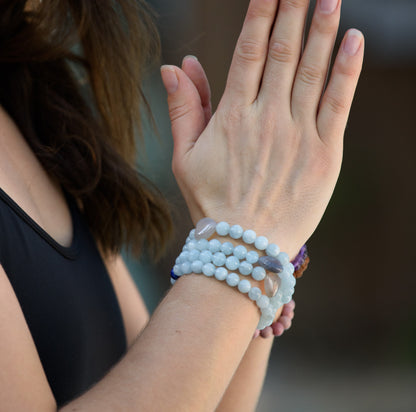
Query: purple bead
{"points": [[271, 264], [300, 258]]}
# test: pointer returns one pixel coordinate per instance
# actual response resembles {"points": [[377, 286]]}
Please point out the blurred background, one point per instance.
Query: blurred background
{"points": [[352, 346]]}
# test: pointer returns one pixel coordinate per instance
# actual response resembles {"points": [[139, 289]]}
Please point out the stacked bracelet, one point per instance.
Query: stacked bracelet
{"points": [[227, 262]]}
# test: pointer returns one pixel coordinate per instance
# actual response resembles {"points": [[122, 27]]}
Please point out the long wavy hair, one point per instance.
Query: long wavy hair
{"points": [[70, 74]]}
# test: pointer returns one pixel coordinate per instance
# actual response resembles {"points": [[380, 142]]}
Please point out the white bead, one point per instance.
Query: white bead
{"points": [[205, 256], [249, 236], [284, 258], [202, 244], [254, 293], [214, 246], [219, 259], [193, 255], [258, 273], [252, 257], [272, 250], [263, 301], [205, 228], [186, 268], [244, 286], [240, 252], [208, 269], [232, 279], [227, 248], [245, 268], [232, 263], [236, 231], [261, 242], [221, 273], [223, 228], [196, 266]]}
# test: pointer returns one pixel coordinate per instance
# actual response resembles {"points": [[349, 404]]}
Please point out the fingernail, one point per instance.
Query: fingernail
{"points": [[169, 78], [352, 42], [328, 6], [190, 56]]}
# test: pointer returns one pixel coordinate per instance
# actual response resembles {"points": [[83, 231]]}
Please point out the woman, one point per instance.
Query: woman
{"points": [[268, 159]]}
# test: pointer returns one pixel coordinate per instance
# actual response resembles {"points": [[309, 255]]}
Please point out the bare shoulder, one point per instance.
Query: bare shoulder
{"points": [[23, 382]]}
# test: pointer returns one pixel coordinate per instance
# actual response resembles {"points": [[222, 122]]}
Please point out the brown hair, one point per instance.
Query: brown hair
{"points": [[70, 79]]}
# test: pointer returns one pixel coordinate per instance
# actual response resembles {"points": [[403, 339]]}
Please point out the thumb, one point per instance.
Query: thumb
{"points": [[185, 108]]}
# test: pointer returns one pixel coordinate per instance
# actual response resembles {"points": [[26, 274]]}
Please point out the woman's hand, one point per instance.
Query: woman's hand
{"points": [[269, 157]]}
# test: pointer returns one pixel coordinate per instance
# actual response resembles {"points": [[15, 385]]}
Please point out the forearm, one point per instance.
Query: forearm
{"points": [[243, 393], [185, 358]]}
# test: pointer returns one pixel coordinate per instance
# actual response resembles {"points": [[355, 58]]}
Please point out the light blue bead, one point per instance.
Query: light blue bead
{"points": [[285, 275], [178, 261], [184, 256], [202, 244], [185, 248], [188, 239], [252, 257], [172, 281], [240, 252], [193, 255], [214, 246], [232, 263], [261, 243], [286, 299], [196, 266], [192, 234], [245, 268], [227, 248], [272, 250], [236, 231], [249, 236], [244, 286], [192, 245], [263, 301], [219, 259], [258, 273], [292, 282], [208, 269], [221, 273], [177, 270], [254, 293], [232, 279], [205, 256], [284, 258], [186, 268], [268, 312], [290, 268], [223, 228]]}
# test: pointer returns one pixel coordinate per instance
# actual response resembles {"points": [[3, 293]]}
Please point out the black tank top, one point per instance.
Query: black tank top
{"points": [[67, 298]]}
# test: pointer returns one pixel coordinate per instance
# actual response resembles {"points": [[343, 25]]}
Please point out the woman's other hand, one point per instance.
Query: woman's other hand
{"points": [[269, 158]]}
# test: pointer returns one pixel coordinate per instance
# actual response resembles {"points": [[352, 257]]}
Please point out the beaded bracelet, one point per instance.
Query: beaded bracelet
{"points": [[210, 258]]}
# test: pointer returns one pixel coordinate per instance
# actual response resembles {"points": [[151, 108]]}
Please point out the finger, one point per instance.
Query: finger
{"points": [[284, 52], [194, 70], [337, 99], [313, 68], [185, 109], [247, 66]]}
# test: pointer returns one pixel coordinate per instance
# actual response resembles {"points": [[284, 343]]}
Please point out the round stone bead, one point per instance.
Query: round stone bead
{"points": [[272, 250], [219, 259], [214, 246], [268, 312], [258, 273], [263, 301], [221, 273], [193, 255], [271, 264], [244, 286], [196, 266], [227, 248], [249, 236], [284, 258], [286, 299], [177, 270], [232, 263], [236, 231], [205, 228], [290, 268], [245, 268], [191, 245], [252, 257], [192, 234], [202, 244], [232, 279], [240, 252], [178, 261], [205, 256], [208, 269], [172, 281], [254, 293], [184, 256], [261, 243], [223, 228], [186, 268]]}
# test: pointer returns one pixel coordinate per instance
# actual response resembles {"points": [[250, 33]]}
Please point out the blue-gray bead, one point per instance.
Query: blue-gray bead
{"points": [[223, 228], [236, 231], [232, 263], [252, 257], [205, 228], [240, 252], [271, 264], [232, 279]]}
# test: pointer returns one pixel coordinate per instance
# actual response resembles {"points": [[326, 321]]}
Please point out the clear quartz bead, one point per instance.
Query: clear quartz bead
{"points": [[205, 228], [271, 284]]}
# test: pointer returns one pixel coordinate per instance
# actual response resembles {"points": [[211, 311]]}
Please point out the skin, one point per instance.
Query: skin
{"points": [[276, 144]]}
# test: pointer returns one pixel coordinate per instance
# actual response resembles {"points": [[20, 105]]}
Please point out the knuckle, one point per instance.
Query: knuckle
{"points": [[280, 51], [294, 4], [326, 26], [250, 51], [179, 111], [336, 104], [310, 75], [344, 69]]}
